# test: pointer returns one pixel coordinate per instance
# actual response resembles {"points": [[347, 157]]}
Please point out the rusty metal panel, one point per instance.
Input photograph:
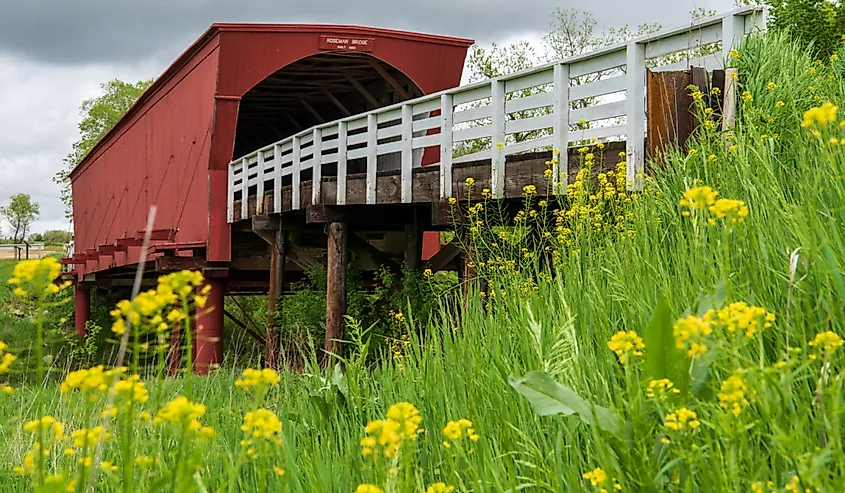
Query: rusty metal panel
{"points": [[670, 120]]}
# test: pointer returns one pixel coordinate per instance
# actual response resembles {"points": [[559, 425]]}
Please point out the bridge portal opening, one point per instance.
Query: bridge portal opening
{"points": [[314, 90]]}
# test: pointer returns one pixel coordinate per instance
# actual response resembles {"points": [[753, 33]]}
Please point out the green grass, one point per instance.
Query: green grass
{"points": [[460, 365]]}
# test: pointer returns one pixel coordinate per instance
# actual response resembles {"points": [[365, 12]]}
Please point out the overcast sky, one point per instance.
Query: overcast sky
{"points": [[55, 53]]}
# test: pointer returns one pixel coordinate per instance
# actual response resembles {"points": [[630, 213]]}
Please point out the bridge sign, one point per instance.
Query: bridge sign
{"points": [[346, 43]]}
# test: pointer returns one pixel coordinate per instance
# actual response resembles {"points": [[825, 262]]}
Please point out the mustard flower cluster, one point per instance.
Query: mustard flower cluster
{"points": [[402, 424], [36, 278], [160, 308], [682, 420], [455, 430], [733, 395], [184, 414], [820, 116], [660, 389], [689, 333], [600, 481], [740, 317], [625, 345], [825, 342]]}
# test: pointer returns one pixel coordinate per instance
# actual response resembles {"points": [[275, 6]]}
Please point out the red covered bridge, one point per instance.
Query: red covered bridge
{"points": [[237, 88], [272, 149]]}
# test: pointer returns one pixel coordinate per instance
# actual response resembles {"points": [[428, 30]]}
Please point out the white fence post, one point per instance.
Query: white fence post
{"points": [[406, 161], [316, 166], [635, 114], [497, 140], [341, 162], [295, 174], [230, 191], [733, 29], [277, 178], [244, 189], [259, 189], [560, 162], [372, 157], [446, 124]]}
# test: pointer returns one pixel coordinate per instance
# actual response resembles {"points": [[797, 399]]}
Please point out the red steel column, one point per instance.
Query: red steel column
{"points": [[208, 339], [82, 309]]}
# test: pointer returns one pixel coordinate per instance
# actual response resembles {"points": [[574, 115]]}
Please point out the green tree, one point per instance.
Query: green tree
{"points": [[56, 237], [817, 22], [99, 115], [20, 213]]}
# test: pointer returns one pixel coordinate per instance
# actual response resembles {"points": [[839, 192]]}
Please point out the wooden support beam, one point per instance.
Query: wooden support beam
{"points": [[337, 103], [277, 283], [292, 121], [390, 80], [169, 264], [413, 245], [365, 249], [335, 290], [244, 326], [444, 256], [311, 110], [363, 90]]}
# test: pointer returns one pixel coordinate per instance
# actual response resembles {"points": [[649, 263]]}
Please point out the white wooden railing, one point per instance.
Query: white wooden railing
{"points": [[395, 136]]}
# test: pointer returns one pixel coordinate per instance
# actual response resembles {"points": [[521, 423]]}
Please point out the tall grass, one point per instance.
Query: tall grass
{"points": [[787, 256]]}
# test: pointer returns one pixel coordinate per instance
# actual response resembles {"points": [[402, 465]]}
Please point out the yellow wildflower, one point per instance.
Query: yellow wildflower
{"points": [[470, 181], [440, 488], [264, 424], [252, 378], [740, 317], [689, 333], [820, 116], [682, 420], [454, 430], [827, 342], [659, 389], [368, 488], [699, 197], [780, 104], [747, 97], [625, 344], [181, 411], [732, 396], [46, 424], [85, 437], [731, 210]]}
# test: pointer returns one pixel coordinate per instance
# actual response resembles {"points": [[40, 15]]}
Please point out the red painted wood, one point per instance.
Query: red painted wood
{"points": [[172, 149], [82, 309], [208, 341]]}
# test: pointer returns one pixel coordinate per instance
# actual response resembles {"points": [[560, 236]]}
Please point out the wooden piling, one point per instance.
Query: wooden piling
{"points": [[277, 249], [335, 288]]}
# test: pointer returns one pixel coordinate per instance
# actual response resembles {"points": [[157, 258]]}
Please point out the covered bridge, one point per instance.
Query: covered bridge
{"points": [[237, 88]]}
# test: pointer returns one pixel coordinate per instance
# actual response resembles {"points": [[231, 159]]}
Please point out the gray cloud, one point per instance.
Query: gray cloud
{"points": [[70, 32]]}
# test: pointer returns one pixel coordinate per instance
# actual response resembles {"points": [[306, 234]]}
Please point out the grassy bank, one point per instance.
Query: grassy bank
{"points": [[728, 304]]}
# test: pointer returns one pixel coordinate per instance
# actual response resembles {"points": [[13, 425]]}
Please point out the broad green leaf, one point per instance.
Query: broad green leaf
{"points": [[548, 397], [662, 358]]}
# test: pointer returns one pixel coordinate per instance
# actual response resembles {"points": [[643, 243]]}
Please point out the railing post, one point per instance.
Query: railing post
{"points": [[497, 140], [407, 155], [341, 162], [560, 162], [277, 178], [230, 191], [296, 172], [446, 124], [244, 189], [635, 114], [259, 189], [316, 166], [733, 29], [372, 157]]}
